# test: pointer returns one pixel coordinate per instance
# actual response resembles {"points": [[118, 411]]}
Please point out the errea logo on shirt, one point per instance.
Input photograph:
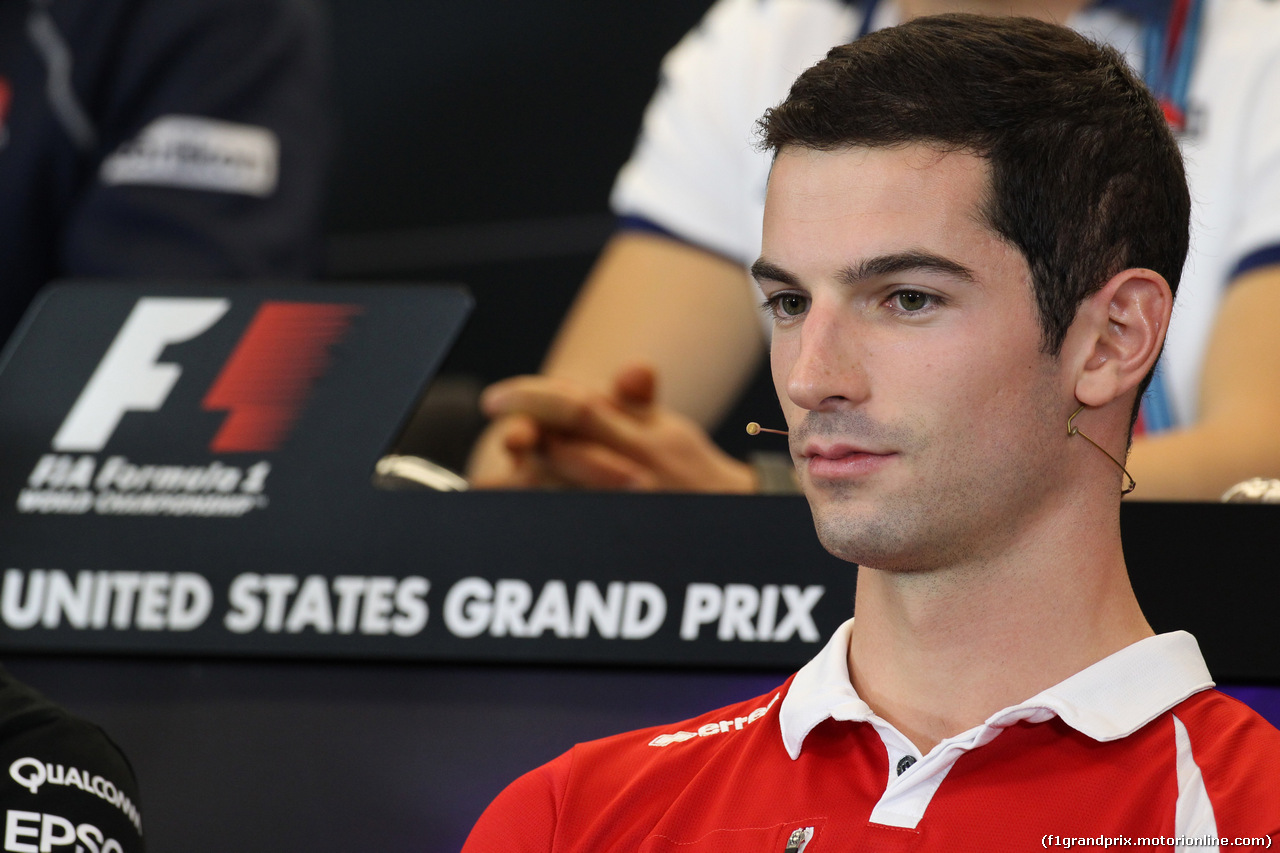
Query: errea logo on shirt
{"points": [[710, 729]]}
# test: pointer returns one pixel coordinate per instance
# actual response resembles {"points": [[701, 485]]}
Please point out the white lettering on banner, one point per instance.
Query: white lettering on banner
{"points": [[745, 612], [54, 502], [347, 604], [381, 605], [60, 471], [631, 611], [122, 476], [130, 377], [31, 773], [146, 601], [48, 831], [68, 485]]}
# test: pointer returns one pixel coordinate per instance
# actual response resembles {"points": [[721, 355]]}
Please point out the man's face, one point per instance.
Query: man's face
{"points": [[925, 421]]}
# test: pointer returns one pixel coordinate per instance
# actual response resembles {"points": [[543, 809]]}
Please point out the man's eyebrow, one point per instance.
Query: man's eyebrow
{"points": [[881, 265], [763, 270], [910, 261]]}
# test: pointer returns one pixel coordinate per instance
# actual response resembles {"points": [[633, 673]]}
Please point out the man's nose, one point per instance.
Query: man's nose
{"points": [[829, 371]]}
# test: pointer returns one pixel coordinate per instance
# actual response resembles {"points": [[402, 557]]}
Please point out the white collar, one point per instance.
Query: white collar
{"points": [[1109, 700]]}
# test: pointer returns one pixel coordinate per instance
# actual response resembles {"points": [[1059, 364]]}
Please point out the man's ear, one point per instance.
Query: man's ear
{"points": [[1122, 328]]}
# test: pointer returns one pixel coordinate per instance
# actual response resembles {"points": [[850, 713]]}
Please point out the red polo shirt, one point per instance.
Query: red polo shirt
{"points": [[1136, 747]]}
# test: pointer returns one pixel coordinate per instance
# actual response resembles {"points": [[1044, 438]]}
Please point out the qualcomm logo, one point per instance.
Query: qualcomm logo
{"points": [[31, 774], [262, 387]]}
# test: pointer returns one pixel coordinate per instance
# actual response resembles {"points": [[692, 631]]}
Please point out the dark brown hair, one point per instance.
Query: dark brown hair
{"points": [[1086, 178]]}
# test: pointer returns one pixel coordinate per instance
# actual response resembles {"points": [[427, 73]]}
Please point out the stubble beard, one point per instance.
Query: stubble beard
{"points": [[953, 508]]}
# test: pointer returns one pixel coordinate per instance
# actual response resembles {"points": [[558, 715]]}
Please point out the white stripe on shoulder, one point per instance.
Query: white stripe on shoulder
{"points": [[1194, 817]]}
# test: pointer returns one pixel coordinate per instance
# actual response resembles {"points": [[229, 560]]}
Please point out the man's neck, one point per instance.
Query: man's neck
{"points": [[937, 653], [1049, 10]]}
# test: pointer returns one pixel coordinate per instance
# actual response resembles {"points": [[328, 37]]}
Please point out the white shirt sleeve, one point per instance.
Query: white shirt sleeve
{"points": [[695, 170], [1232, 155]]}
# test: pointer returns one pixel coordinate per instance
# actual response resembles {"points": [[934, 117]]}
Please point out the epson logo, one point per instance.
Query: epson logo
{"points": [[262, 386], [45, 832]]}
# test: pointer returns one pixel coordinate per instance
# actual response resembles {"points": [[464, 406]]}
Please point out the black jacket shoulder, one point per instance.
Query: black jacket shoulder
{"points": [[65, 783]]}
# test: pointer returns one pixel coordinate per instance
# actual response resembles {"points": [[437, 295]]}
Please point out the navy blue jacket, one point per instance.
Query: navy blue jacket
{"points": [[152, 138]]}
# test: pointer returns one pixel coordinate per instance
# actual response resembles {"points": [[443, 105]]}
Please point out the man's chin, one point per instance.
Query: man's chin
{"points": [[856, 539], [880, 540]]}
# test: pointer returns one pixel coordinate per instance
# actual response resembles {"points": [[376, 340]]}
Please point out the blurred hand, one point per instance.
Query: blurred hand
{"points": [[553, 433]]}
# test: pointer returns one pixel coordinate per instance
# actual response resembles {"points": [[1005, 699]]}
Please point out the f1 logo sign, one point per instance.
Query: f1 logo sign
{"points": [[262, 386]]}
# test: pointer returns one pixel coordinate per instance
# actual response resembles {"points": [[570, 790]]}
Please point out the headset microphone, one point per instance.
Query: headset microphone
{"points": [[1072, 429], [754, 428]]}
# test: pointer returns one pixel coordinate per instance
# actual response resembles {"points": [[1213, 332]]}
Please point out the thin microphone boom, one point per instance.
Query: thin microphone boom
{"points": [[754, 428], [1072, 429]]}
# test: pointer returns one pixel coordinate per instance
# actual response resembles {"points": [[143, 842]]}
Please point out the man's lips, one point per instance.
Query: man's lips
{"points": [[816, 449], [839, 461]]}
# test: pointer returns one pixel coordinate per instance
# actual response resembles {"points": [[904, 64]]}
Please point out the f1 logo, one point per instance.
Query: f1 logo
{"points": [[262, 386]]}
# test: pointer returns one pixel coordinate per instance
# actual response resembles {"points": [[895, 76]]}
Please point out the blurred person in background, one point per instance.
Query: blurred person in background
{"points": [[144, 138]]}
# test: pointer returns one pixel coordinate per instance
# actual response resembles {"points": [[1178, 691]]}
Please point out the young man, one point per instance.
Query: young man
{"points": [[972, 235]]}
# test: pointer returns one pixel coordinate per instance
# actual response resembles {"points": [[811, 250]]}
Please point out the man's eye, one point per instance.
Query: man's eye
{"points": [[792, 304], [911, 300]]}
